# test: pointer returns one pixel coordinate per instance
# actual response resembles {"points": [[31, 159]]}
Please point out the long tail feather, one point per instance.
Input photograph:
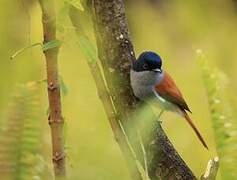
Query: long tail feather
{"points": [[186, 116]]}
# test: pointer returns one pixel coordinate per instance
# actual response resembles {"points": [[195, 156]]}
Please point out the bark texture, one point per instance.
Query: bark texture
{"points": [[75, 16], [55, 115], [116, 55]]}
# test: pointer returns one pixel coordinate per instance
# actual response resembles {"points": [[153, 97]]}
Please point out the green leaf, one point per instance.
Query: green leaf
{"points": [[51, 44], [23, 49], [76, 3], [61, 18], [88, 49]]}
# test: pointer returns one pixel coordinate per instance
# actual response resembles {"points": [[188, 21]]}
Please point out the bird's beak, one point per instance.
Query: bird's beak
{"points": [[157, 70]]}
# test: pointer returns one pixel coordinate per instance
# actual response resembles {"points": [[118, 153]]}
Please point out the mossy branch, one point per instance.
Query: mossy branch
{"points": [[56, 120]]}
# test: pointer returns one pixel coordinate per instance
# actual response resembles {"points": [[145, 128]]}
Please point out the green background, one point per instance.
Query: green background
{"points": [[175, 30]]}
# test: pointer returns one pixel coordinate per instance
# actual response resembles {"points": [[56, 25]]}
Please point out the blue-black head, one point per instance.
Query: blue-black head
{"points": [[148, 61]]}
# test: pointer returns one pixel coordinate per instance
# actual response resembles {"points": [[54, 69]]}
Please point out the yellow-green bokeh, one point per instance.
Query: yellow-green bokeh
{"points": [[174, 30]]}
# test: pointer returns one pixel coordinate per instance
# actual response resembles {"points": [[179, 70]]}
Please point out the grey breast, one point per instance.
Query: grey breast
{"points": [[143, 83]]}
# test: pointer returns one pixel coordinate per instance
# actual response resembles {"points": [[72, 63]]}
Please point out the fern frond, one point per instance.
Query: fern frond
{"points": [[20, 137], [225, 128]]}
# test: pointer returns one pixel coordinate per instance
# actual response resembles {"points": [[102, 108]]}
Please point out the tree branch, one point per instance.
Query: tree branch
{"points": [[55, 116], [116, 54], [102, 90]]}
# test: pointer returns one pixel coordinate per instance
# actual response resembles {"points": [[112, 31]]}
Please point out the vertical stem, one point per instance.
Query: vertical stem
{"points": [[55, 115]]}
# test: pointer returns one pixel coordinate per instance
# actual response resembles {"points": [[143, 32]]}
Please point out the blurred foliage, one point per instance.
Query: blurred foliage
{"points": [[224, 123], [174, 29], [20, 150]]}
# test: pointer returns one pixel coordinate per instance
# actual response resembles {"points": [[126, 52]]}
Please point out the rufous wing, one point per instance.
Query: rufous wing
{"points": [[168, 90]]}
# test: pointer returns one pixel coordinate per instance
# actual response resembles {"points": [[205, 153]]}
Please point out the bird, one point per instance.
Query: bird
{"points": [[151, 84]]}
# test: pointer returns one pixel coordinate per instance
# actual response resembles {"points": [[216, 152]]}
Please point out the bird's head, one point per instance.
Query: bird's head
{"points": [[148, 61]]}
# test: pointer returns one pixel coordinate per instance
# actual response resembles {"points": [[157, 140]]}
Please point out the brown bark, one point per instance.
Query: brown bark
{"points": [[105, 97], [116, 54], [55, 115]]}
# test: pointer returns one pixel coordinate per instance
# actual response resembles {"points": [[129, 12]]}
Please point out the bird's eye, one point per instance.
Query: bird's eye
{"points": [[145, 66]]}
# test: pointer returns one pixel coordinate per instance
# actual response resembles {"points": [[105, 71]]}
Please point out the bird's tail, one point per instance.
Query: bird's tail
{"points": [[186, 116]]}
